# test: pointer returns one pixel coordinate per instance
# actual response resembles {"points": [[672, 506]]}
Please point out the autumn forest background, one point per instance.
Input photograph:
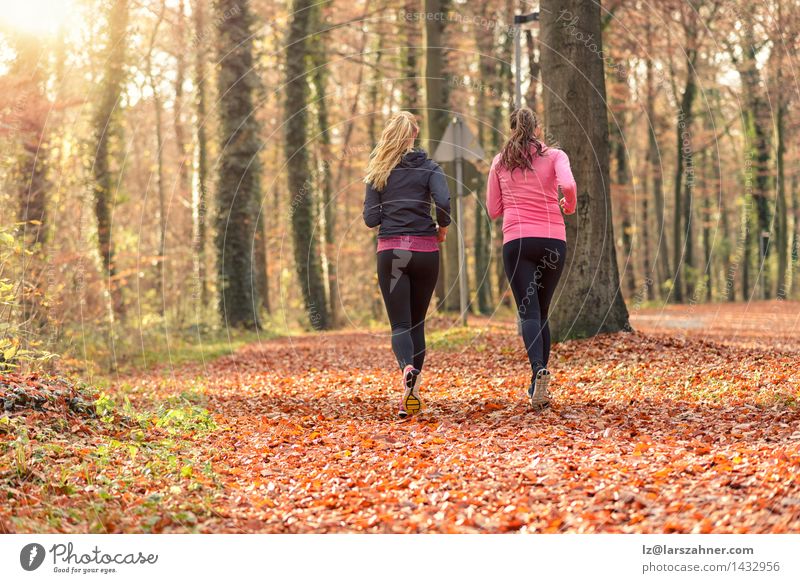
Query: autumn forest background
{"points": [[191, 332]]}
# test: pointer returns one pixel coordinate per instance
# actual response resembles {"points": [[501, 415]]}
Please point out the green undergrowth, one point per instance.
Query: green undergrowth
{"points": [[96, 462], [90, 353]]}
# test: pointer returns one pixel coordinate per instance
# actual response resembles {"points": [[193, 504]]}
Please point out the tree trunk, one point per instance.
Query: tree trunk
{"points": [[757, 117], [106, 126], [533, 68], [436, 120], [781, 211], [319, 80], [301, 187], [503, 88], [588, 299], [162, 202], [177, 109], [681, 246], [410, 100], [625, 204], [33, 184], [663, 271], [705, 222], [484, 40], [795, 236], [238, 185], [200, 192]]}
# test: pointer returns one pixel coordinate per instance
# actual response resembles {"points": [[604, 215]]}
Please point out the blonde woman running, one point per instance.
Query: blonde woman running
{"points": [[402, 183]]}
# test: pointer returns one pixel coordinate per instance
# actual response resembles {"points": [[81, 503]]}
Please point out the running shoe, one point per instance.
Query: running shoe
{"points": [[411, 403], [539, 391]]}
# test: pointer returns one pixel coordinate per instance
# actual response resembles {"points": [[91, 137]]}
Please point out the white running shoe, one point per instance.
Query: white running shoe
{"points": [[540, 390], [411, 403]]}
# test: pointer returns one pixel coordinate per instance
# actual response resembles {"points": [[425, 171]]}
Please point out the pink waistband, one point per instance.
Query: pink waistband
{"points": [[427, 243]]}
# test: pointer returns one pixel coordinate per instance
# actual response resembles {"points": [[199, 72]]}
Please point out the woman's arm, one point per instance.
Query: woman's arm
{"points": [[437, 184], [372, 207], [566, 181], [494, 196]]}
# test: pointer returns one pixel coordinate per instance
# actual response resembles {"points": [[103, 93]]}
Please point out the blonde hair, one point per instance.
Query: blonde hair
{"points": [[396, 140]]}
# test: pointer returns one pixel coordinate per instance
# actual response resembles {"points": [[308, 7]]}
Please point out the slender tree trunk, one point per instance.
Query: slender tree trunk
{"points": [[436, 119], [200, 191], [625, 206], [589, 301], [410, 99], [689, 270], [781, 211], [728, 264], [645, 228], [161, 258], [238, 184], [484, 40], [663, 271], [301, 187], [34, 185], [757, 117], [706, 220], [180, 78], [106, 125], [795, 236], [681, 218], [319, 80], [503, 90]]}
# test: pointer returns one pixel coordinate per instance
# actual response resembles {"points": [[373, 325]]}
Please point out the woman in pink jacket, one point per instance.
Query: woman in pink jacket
{"points": [[524, 183]]}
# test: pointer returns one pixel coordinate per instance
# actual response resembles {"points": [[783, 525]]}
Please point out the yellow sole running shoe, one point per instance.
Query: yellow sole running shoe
{"points": [[411, 403]]}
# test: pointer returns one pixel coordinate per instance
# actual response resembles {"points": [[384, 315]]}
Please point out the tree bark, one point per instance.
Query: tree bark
{"points": [[588, 300], [663, 271], [106, 126], [301, 187], [757, 118], [482, 249], [180, 77], [200, 193], [437, 115], [624, 186], [162, 202], [781, 210], [238, 185], [681, 244], [328, 211], [411, 92], [33, 184]]}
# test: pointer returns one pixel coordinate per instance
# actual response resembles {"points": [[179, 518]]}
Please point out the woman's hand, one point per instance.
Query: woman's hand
{"points": [[441, 234]]}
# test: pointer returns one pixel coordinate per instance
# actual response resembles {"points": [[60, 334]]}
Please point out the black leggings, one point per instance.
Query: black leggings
{"points": [[533, 267], [407, 280]]}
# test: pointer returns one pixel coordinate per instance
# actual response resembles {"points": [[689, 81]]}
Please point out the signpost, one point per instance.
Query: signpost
{"points": [[459, 144]]}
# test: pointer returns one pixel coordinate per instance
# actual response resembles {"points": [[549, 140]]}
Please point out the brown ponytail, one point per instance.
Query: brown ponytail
{"points": [[516, 152]]}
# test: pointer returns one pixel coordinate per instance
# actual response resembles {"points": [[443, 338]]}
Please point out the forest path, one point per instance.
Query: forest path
{"points": [[647, 433]]}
